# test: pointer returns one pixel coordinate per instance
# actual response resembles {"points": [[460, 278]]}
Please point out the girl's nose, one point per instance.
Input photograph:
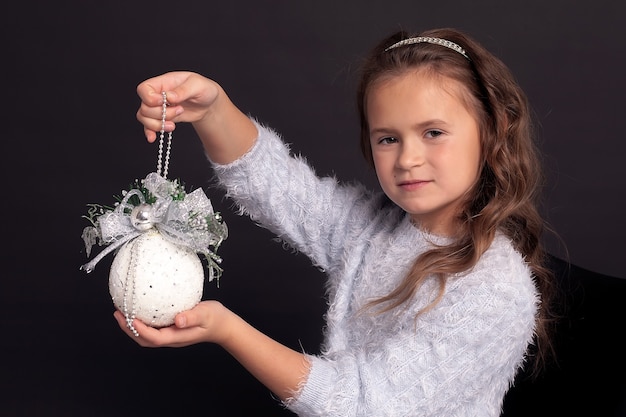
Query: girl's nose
{"points": [[411, 154]]}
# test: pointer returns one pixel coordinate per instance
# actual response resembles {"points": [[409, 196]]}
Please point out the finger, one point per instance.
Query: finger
{"points": [[119, 317], [185, 87], [196, 317], [152, 120], [150, 134], [121, 321], [139, 337], [154, 114], [170, 336], [151, 90], [148, 336]]}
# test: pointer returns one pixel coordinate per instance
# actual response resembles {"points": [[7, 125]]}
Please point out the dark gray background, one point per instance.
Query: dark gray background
{"points": [[71, 138]]}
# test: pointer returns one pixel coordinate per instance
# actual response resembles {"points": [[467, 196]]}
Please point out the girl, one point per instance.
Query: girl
{"points": [[436, 286]]}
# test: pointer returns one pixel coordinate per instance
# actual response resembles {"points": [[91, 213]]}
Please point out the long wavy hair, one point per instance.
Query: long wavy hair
{"points": [[505, 196]]}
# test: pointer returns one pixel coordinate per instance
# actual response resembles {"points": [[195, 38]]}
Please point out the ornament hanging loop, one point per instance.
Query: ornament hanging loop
{"points": [[162, 167]]}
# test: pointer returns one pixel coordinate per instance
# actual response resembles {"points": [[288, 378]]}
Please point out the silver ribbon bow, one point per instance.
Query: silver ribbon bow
{"points": [[188, 222]]}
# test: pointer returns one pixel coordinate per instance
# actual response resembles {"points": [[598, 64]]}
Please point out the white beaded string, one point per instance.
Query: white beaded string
{"points": [[161, 138], [132, 271], [130, 296]]}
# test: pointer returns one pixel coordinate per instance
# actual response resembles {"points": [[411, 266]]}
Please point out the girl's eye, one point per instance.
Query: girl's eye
{"points": [[433, 133], [388, 139]]}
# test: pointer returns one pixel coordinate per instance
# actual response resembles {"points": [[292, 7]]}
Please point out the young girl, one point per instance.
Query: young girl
{"points": [[436, 286]]}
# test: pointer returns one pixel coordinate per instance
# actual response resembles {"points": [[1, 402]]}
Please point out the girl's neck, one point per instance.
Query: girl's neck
{"points": [[434, 228]]}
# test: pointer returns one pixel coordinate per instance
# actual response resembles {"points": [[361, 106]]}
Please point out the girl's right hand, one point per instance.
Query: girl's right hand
{"points": [[190, 97]]}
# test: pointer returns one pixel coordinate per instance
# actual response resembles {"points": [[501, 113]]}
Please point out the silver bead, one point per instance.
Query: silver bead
{"points": [[142, 217]]}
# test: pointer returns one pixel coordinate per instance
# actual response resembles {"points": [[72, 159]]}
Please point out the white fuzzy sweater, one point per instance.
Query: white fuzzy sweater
{"points": [[458, 359]]}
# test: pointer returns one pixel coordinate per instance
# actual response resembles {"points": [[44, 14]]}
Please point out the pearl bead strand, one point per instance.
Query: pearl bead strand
{"points": [[129, 286], [161, 139]]}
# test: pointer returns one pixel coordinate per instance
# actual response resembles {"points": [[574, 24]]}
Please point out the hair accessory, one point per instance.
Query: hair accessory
{"points": [[428, 39]]}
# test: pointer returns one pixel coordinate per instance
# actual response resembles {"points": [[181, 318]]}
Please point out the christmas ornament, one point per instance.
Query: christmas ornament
{"points": [[157, 231]]}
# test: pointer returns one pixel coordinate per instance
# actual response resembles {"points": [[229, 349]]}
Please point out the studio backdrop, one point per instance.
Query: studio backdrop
{"points": [[70, 138]]}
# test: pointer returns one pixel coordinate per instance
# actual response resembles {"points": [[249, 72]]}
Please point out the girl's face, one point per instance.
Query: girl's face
{"points": [[425, 146]]}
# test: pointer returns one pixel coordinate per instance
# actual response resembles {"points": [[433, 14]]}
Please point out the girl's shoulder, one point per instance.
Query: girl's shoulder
{"points": [[503, 262]]}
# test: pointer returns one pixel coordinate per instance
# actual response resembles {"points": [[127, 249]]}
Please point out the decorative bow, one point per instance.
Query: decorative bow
{"points": [[187, 220]]}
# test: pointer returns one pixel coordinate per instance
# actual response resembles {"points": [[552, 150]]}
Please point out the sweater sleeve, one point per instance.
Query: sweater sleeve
{"points": [[282, 193]]}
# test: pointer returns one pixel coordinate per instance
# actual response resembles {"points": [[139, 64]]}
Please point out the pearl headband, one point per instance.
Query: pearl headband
{"points": [[428, 39]]}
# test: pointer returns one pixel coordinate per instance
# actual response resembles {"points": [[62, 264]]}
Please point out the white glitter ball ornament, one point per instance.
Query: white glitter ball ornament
{"points": [[152, 279]]}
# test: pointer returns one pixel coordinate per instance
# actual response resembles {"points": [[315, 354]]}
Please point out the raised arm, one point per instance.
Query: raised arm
{"points": [[226, 133]]}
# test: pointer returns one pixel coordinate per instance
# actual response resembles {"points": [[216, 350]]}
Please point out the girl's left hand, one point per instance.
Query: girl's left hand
{"points": [[206, 322]]}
